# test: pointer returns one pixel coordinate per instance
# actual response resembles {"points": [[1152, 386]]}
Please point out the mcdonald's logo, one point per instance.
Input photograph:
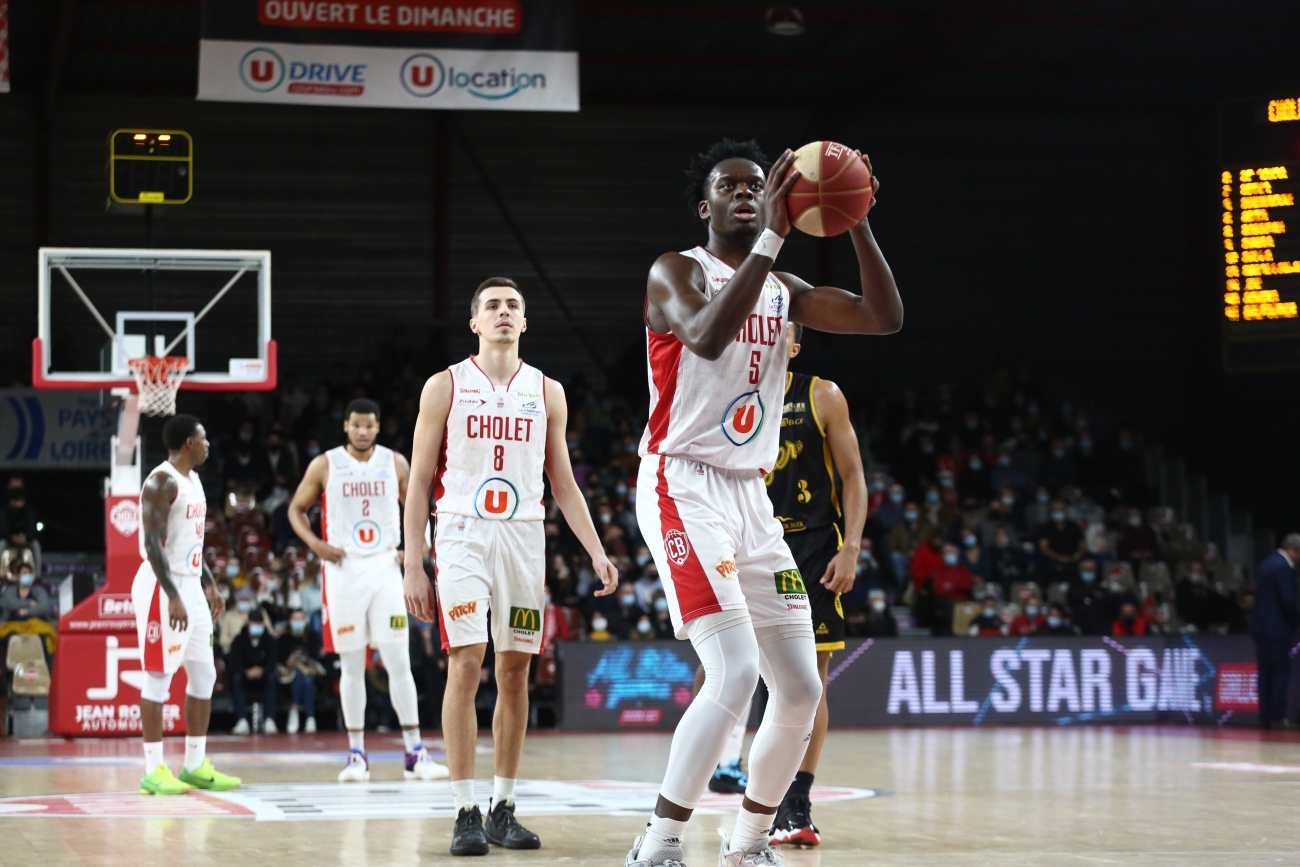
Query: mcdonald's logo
{"points": [[529, 619], [790, 582], [398, 622]]}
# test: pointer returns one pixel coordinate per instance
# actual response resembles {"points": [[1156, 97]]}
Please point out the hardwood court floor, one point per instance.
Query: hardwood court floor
{"points": [[1156, 797]]}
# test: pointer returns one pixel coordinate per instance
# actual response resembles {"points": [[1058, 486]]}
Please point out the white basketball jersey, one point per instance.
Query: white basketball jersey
{"points": [[724, 413], [360, 511], [494, 452], [183, 546]]}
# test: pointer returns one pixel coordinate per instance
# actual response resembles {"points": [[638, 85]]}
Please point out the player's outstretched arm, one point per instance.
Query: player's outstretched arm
{"points": [[155, 506], [430, 425], [564, 487], [878, 310], [833, 413], [309, 491], [675, 300]]}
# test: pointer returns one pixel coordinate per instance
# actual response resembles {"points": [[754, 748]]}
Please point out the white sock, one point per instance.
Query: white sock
{"points": [[195, 748], [153, 756], [661, 833], [357, 741], [750, 828], [503, 789], [411, 739], [736, 741], [463, 792]]}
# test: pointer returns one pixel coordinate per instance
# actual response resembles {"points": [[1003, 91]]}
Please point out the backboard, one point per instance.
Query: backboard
{"points": [[99, 308]]}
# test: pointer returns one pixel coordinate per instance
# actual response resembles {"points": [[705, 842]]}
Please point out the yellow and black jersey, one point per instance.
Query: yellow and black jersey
{"points": [[803, 485]]}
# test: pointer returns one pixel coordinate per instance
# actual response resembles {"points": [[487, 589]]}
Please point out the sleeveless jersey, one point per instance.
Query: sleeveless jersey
{"points": [[494, 448], [802, 484], [359, 511], [183, 546], [724, 413]]}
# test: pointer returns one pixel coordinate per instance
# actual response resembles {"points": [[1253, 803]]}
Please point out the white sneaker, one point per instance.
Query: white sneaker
{"points": [[421, 766], [241, 728], [310, 728], [270, 728], [292, 727], [664, 856], [357, 769], [759, 854]]}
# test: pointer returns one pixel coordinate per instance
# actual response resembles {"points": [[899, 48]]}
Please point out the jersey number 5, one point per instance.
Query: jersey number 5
{"points": [[755, 356], [498, 458]]}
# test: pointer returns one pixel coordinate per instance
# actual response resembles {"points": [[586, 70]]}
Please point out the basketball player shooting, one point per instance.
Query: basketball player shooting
{"points": [[488, 428], [716, 342], [173, 512], [362, 486]]}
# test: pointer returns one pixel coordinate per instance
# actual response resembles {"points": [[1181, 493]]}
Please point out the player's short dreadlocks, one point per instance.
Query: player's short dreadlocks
{"points": [[703, 164]]}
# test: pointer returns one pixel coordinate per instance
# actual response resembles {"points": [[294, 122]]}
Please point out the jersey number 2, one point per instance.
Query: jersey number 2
{"points": [[365, 508], [755, 356], [498, 458]]}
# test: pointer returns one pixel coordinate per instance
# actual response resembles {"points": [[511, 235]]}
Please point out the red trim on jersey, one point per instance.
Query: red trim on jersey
{"points": [[516, 373], [695, 596], [437, 600], [707, 250], [665, 353], [327, 631], [441, 468], [152, 652]]}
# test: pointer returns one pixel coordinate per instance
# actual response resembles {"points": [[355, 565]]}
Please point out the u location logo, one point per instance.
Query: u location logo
{"points": [[743, 418], [366, 535], [423, 75], [496, 499], [261, 70]]}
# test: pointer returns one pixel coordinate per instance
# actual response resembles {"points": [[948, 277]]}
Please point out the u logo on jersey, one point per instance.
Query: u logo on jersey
{"points": [[366, 535], [195, 558], [496, 499], [743, 418]]}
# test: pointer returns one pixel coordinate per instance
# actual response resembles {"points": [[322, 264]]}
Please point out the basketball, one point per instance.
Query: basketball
{"points": [[833, 191]]}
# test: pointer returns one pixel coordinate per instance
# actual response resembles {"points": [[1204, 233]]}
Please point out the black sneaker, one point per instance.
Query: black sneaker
{"points": [[793, 825], [503, 829], [468, 838]]}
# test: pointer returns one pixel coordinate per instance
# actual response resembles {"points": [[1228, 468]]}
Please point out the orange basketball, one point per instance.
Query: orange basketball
{"points": [[833, 191]]}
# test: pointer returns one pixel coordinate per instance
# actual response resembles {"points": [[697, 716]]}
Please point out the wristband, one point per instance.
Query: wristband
{"points": [[768, 244]]}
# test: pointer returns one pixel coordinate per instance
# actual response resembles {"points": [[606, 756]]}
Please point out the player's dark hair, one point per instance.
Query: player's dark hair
{"points": [[362, 406], [488, 284], [796, 331], [178, 429], [703, 165]]}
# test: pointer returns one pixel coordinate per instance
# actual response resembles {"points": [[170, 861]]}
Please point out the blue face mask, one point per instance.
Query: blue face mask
{"points": [[298, 626], [661, 604], [1088, 576], [629, 599], [256, 630], [896, 498], [932, 497], [927, 448], [27, 579], [976, 465], [232, 570], [642, 559], [1053, 621], [1058, 516], [244, 605], [950, 559], [909, 516]]}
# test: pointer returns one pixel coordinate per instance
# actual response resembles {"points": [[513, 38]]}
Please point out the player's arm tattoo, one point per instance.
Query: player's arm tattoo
{"points": [[155, 506]]}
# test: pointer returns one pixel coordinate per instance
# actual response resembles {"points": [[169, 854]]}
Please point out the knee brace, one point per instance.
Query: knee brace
{"points": [[202, 678], [156, 688]]}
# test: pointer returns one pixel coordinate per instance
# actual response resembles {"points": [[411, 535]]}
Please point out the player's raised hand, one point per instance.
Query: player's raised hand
{"points": [[607, 572], [326, 551], [875, 181], [779, 181], [177, 616], [216, 604], [418, 592], [842, 572]]}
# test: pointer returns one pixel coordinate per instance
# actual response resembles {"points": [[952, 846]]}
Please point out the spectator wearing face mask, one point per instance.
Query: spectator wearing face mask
{"points": [[1060, 469], [299, 653], [599, 628], [19, 526], [648, 584], [1129, 622], [24, 599], [891, 510], [1057, 623], [988, 623], [629, 607], [1061, 545], [878, 621], [1198, 603], [904, 538], [1090, 603], [974, 556], [663, 623], [1039, 511], [643, 630], [1137, 543], [1005, 474], [950, 583], [975, 481], [251, 664], [1008, 564], [868, 573], [927, 559], [1031, 620], [232, 623]]}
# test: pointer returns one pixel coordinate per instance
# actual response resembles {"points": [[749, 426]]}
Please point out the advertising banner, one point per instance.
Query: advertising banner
{"points": [[461, 54], [51, 429], [4, 46], [1206, 680]]}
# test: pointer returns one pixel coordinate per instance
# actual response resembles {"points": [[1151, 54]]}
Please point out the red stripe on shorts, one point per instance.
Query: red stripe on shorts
{"points": [[695, 596], [153, 648]]}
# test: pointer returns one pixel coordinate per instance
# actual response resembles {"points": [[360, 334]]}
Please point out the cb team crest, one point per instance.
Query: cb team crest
{"points": [[677, 546]]}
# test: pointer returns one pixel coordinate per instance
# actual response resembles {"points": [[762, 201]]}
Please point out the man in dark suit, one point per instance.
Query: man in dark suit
{"points": [[1273, 627]]}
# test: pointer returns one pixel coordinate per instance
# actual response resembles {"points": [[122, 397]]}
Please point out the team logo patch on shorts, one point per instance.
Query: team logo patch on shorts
{"points": [[398, 622], [153, 632], [677, 547], [525, 619], [790, 582], [726, 567]]}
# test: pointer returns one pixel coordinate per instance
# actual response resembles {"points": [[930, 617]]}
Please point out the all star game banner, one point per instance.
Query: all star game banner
{"points": [[453, 54]]}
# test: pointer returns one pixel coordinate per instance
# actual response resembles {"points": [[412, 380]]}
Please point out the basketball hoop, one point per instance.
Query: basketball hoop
{"points": [[157, 380]]}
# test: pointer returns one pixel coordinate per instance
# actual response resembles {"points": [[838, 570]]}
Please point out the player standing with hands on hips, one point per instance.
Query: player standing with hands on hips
{"points": [[488, 428], [716, 338]]}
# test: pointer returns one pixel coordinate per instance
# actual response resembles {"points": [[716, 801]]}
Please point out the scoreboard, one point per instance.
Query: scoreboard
{"points": [[1259, 180]]}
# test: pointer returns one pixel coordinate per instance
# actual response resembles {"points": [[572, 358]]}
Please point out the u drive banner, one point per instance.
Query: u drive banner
{"points": [[1193, 680], [453, 54]]}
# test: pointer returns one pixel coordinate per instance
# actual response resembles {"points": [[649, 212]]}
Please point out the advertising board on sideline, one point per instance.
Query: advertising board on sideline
{"points": [[450, 54]]}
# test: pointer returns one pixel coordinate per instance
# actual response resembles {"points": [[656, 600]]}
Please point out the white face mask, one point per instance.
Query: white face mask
{"points": [[644, 627], [878, 605], [598, 624]]}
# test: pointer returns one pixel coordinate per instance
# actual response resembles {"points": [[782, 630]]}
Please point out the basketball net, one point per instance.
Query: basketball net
{"points": [[157, 380]]}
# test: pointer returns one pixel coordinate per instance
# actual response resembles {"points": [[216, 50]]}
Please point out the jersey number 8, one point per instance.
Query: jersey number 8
{"points": [[498, 457]]}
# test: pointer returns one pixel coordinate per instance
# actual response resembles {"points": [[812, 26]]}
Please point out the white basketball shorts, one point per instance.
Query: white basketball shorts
{"points": [[716, 543], [165, 649], [497, 566], [362, 603]]}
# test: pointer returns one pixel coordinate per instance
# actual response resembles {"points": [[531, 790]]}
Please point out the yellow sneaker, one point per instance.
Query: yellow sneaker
{"points": [[161, 781], [208, 777]]}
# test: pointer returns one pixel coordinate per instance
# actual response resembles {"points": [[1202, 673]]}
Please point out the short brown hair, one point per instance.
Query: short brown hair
{"points": [[489, 283], [796, 332]]}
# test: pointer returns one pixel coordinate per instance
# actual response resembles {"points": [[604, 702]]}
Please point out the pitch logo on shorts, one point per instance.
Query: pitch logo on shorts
{"points": [[790, 583], [462, 609], [726, 567], [677, 546], [525, 619]]}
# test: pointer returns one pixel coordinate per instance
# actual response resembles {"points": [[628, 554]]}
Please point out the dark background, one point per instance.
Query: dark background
{"points": [[1049, 198]]}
